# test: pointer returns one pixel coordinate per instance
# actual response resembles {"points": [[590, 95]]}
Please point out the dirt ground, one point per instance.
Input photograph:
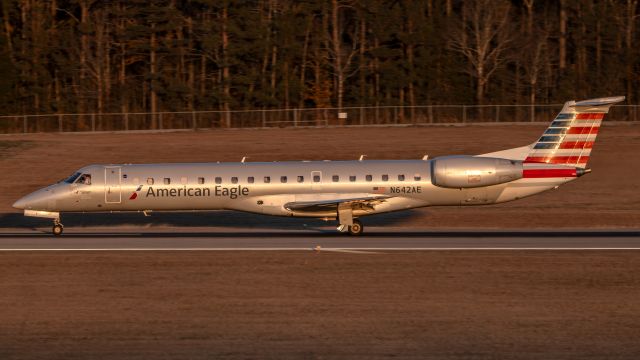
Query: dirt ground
{"points": [[606, 198], [292, 305], [306, 305]]}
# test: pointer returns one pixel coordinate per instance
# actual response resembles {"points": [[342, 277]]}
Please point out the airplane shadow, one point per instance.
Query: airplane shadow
{"points": [[142, 234], [194, 219], [268, 226]]}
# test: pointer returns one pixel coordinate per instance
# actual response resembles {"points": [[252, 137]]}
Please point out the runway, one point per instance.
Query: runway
{"points": [[376, 239]]}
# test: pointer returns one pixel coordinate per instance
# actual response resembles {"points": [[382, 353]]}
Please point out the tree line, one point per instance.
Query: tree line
{"points": [[87, 56]]}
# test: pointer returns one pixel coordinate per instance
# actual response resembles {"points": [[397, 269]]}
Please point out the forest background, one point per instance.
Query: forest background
{"points": [[84, 56]]}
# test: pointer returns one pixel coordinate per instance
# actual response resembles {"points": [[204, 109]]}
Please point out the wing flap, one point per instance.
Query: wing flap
{"points": [[327, 204]]}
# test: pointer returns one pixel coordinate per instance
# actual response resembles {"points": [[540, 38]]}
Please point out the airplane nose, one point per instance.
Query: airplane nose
{"points": [[20, 204], [35, 201]]}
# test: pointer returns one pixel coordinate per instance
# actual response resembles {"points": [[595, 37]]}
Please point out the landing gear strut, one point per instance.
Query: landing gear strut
{"points": [[346, 221], [58, 228]]}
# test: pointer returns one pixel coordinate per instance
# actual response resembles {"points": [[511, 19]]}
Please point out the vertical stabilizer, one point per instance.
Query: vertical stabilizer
{"points": [[570, 137]]}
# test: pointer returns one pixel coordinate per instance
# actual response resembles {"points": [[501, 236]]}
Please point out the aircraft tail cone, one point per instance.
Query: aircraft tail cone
{"points": [[581, 171]]}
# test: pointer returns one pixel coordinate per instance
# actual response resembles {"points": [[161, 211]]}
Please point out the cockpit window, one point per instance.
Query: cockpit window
{"points": [[84, 179], [72, 178]]}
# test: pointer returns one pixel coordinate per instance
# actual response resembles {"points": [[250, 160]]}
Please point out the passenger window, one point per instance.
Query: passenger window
{"points": [[267, 179], [417, 177], [183, 180], [352, 178], [316, 178], [369, 177], [200, 180], [283, 179], [385, 177], [149, 181], [218, 180], [250, 179], [400, 177], [300, 179], [336, 178], [234, 180], [167, 181], [84, 179]]}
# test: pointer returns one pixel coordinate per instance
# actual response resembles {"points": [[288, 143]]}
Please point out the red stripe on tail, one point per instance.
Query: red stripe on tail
{"points": [[556, 159], [583, 130], [590, 116], [577, 145], [549, 173]]}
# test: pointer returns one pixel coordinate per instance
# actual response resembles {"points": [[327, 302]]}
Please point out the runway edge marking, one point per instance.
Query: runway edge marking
{"points": [[344, 250]]}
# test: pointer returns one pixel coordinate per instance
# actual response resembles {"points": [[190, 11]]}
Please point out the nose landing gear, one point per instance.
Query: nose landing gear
{"points": [[58, 228]]}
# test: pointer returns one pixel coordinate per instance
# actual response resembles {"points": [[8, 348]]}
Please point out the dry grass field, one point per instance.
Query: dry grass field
{"points": [[306, 305], [606, 198], [323, 305]]}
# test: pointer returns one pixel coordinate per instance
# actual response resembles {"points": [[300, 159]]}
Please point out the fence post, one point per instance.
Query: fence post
{"points": [[93, 122], [263, 117], [24, 124], [160, 121], [126, 121], [295, 118], [497, 113], [533, 114], [193, 120], [464, 114], [395, 114], [59, 123]]}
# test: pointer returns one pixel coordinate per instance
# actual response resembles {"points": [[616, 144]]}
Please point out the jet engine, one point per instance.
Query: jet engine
{"points": [[470, 172]]}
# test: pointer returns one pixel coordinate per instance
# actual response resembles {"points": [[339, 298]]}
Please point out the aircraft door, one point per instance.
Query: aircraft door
{"points": [[112, 178], [316, 180]]}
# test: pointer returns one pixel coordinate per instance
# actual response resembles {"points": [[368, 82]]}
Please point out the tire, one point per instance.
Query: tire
{"points": [[57, 230], [356, 229]]}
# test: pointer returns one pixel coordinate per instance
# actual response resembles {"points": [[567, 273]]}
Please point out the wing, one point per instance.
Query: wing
{"points": [[366, 202]]}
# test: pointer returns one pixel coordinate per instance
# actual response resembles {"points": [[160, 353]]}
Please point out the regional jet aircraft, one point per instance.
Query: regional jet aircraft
{"points": [[334, 190]]}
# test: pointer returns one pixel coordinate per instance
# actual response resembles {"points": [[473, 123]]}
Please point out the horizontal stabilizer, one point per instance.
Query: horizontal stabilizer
{"points": [[600, 101]]}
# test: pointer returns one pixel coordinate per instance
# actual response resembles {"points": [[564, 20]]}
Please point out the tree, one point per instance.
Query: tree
{"points": [[483, 37]]}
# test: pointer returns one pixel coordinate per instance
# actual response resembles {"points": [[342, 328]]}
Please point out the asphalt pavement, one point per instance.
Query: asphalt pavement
{"points": [[169, 238]]}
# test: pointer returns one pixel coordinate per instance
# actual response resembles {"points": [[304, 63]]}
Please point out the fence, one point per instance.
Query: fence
{"points": [[348, 116]]}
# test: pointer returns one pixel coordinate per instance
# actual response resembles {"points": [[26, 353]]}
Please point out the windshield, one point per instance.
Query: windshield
{"points": [[72, 178]]}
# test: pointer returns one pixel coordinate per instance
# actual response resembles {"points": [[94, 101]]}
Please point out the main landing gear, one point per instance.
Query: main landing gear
{"points": [[355, 229], [58, 228], [347, 223]]}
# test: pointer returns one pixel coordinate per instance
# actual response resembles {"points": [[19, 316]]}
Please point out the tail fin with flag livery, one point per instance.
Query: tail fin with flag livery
{"points": [[570, 137]]}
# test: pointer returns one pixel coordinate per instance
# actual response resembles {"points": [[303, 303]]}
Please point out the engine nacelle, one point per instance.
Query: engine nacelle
{"points": [[469, 172]]}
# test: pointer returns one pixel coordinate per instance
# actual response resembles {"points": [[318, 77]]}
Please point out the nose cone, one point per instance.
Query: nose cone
{"points": [[20, 204], [37, 200]]}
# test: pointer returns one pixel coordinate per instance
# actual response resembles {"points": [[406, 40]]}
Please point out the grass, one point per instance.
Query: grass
{"points": [[8, 147]]}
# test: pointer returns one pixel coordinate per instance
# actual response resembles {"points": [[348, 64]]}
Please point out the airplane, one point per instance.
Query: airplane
{"points": [[333, 190]]}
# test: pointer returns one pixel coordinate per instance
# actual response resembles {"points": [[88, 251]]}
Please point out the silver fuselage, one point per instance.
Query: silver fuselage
{"points": [[269, 188]]}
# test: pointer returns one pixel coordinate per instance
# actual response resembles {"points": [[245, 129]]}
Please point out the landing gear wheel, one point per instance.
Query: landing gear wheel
{"points": [[57, 229], [356, 228]]}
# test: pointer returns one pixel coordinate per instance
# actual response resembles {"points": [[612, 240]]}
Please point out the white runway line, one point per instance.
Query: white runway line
{"points": [[345, 250]]}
